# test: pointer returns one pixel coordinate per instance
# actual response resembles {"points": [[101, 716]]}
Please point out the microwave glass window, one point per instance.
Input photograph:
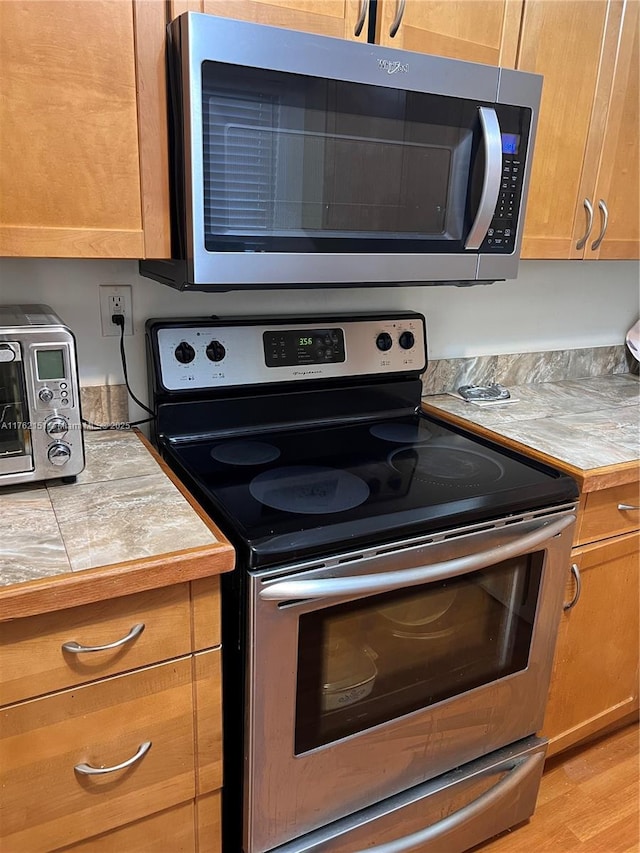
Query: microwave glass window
{"points": [[50, 363], [14, 416], [294, 157], [369, 661]]}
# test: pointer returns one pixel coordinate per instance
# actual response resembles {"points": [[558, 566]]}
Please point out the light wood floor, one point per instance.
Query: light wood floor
{"points": [[588, 802]]}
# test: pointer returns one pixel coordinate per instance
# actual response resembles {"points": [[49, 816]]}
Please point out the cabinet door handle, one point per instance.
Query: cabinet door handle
{"points": [[77, 648], [604, 213], [88, 770], [575, 571], [585, 236], [627, 507], [398, 18], [361, 16]]}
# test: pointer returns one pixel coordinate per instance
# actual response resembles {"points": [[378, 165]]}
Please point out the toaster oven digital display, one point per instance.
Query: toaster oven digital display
{"points": [[50, 364]]}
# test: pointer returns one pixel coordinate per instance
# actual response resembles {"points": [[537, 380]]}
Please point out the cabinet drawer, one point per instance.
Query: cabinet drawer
{"points": [[172, 830], [602, 516], [47, 804], [33, 661]]}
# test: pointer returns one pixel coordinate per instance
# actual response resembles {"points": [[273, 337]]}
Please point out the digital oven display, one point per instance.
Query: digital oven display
{"points": [[291, 347], [50, 363]]}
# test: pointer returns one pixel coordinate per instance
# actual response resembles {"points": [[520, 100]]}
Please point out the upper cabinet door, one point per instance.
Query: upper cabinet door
{"points": [[584, 192], [563, 40], [616, 199], [69, 166], [339, 18], [461, 29]]}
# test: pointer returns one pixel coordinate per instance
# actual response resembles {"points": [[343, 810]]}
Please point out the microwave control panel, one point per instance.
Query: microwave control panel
{"points": [[501, 235]]}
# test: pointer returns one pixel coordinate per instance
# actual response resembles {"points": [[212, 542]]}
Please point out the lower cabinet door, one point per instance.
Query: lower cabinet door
{"points": [[83, 761], [595, 672]]}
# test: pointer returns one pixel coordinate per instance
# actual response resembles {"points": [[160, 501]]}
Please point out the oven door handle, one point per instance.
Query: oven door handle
{"points": [[517, 772], [387, 581]]}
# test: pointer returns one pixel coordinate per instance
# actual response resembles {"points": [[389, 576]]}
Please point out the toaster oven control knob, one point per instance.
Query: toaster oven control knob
{"points": [[59, 453], [7, 353], [46, 395], [383, 341], [184, 352], [215, 351], [407, 340], [56, 426]]}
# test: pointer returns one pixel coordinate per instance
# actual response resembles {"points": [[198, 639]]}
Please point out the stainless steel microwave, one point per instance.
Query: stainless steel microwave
{"points": [[300, 160], [40, 422]]}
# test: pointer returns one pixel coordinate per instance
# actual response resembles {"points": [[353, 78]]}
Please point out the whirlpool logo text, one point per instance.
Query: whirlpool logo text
{"points": [[393, 67]]}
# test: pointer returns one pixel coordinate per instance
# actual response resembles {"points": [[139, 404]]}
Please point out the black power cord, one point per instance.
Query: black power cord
{"points": [[118, 320]]}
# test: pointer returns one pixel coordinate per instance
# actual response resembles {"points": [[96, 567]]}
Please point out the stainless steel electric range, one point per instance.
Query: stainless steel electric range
{"points": [[389, 629]]}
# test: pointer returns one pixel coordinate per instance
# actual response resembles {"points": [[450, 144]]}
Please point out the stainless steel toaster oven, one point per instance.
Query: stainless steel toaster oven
{"points": [[40, 422]]}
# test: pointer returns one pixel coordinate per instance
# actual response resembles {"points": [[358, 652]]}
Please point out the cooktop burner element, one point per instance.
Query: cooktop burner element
{"points": [[240, 452], [400, 433], [309, 489], [435, 463]]}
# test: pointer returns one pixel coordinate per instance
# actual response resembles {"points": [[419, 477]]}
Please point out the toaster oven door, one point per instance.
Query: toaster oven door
{"points": [[15, 434]]}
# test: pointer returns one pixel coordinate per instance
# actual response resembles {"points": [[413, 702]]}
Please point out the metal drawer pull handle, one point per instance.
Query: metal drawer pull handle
{"points": [[386, 581], [363, 14], [627, 507], [575, 571], [398, 18], [77, 648], [88, 770], [605, 221], [438, 832], [585, 237]]}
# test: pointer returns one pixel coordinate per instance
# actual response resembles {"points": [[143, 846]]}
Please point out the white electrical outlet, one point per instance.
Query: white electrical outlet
{"points": [[115, 299]]}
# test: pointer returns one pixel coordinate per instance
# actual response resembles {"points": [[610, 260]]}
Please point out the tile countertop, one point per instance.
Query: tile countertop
{"points": [[585, 425], [123, 509]]}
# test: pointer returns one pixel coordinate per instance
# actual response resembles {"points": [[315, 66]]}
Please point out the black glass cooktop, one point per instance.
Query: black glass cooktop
{"points": [[299, 493]]}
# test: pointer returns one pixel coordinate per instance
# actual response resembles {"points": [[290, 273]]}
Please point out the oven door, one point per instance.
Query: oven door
{"points": [[16, 455], [386, 669]]}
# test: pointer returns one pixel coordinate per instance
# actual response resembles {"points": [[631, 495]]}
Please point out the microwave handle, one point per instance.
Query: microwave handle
{"points": [[492, 177], [387, 581]]}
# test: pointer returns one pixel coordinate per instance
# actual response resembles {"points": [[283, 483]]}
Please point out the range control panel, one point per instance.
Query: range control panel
{"points": [[211, 354]]}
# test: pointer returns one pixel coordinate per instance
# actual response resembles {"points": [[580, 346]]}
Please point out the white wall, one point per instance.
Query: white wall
{"points": [[552, 305]]}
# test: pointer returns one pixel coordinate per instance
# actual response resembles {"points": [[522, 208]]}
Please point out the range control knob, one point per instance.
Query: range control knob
{"points": [[406, 340], [59, 453], [7, 353], [46, 395], [56, 426], [184, 352], [383, 341], [215, 351]]}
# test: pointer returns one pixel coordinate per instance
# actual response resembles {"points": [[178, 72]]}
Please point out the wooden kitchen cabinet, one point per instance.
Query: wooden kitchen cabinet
{"points": [[475, 31], [69, 159], [336, 18], [165, 690], [595, 676], [587, 139]]}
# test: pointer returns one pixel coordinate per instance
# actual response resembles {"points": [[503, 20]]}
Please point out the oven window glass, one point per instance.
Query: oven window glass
{"points": [[373, 660], [14, 430], [290, 160]]}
